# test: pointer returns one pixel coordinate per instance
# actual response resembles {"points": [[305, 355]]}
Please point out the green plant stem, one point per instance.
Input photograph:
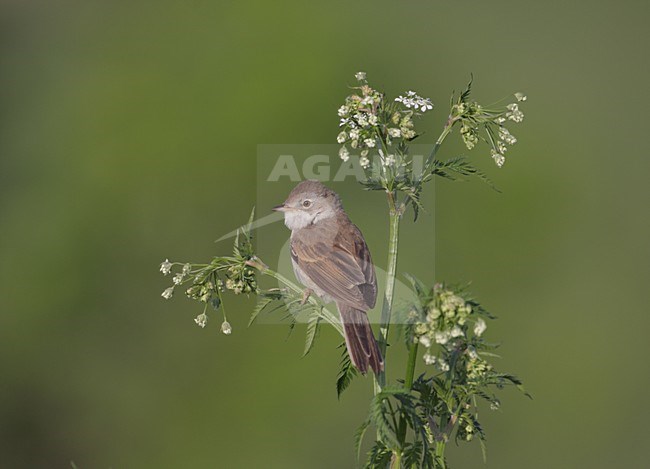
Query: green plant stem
{"points": [[410, 365], [436, 146], [396, 462], [413, 349], [440, 453], [395, 215], [325, 314]]}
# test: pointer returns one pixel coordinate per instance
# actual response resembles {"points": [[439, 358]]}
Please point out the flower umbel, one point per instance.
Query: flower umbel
{"points": [[166, 267], [486, 124], [413, 100], [167, 294], [369, 121]]}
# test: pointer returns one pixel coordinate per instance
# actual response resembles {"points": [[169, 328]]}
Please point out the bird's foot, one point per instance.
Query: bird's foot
{"points": [[305, 295]]}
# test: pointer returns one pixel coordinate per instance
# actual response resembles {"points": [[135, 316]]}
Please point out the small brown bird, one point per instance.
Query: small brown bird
{"points": [[331, 258]]}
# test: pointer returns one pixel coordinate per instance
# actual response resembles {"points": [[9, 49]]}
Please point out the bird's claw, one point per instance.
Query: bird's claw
{"points": [[305, 295]]}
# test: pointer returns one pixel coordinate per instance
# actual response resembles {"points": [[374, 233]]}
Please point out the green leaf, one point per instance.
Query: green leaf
{"points": [[461, 166], [465, 94], [249, 225], [358, 436], [266, 298], [379, 417], [313, 325], [261, 304], [483, 449], [235, 246], [346, 374], [379, 456]]}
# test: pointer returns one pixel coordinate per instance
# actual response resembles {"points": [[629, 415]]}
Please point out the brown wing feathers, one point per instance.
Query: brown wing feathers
{"points": [[344, 271]]}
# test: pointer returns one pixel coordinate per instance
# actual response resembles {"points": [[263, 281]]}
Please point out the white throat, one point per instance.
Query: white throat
{"points": [[299, 219]]}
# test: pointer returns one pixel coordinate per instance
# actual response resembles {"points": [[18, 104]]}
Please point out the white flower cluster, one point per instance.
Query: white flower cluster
{"points": [[166, 267], [403, 122], [412, 100], [201, 320], [473, 117], [367, 121], [514, 114], [476, 367], [168, 293], [359, 119], [387, 160], [202, 292], [206, 286], [447, 325], [241, 279], [226, 328]]}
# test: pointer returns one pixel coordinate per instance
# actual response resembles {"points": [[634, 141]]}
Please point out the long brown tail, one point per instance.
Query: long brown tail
{"points": [[361, 343]]}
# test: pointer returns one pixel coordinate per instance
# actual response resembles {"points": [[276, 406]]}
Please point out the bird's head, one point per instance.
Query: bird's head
{"points": [[308, 203]]}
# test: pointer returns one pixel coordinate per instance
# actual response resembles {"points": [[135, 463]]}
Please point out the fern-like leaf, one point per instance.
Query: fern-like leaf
{"points": [[358, 436], [313, 325], [346, 374]]}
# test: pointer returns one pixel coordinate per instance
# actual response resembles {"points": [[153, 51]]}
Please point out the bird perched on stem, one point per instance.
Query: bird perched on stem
{"points": [[331, 258]]}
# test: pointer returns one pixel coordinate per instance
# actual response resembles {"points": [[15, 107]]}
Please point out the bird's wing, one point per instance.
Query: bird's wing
{"points": [[343, 270]]}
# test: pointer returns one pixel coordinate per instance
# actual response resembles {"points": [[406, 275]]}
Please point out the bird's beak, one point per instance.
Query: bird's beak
{"points": [[280, 208]]}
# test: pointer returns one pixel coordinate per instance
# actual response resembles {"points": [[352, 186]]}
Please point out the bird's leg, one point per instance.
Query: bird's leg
{"points": [[305, 295]]}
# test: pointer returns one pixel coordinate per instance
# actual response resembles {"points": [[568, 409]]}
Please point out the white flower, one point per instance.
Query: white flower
{"points": [[361, 76], [365, 152], [502, 147], [498, 158], [344, 154], [500, 120], [479, 327], [506, 136], [425, 340], [441, 337], [342, 137], [201, 319], [369, 142], [178, 279], [393, 132], [167, 294], [364, 162], [434, 313], [515, 114], [389, 160], [412, 100], [520, 96], [408, 134], [443, 365], [354, 134], [456, 332], [429, 359], [372, 119], [225, 328], [469, 135], [186, 269], [343, 111], [166, 267]]}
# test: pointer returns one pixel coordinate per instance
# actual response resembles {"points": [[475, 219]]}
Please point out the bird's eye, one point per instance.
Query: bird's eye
{"points": [[306, 203]]}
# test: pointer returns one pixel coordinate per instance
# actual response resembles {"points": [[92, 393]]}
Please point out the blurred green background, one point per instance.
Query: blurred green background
{"points": [[128, 133]]}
